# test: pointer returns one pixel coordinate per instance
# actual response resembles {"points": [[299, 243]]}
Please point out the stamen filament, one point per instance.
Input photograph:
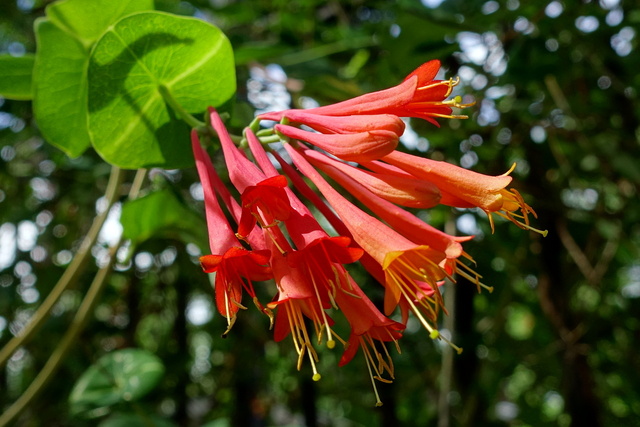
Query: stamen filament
{"points": [[373, 383], [330, 342]]}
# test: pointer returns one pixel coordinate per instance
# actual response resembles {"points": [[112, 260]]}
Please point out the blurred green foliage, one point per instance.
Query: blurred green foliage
{"points": [[556, 91]]}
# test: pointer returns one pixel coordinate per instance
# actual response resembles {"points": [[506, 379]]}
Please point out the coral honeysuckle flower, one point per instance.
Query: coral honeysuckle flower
{"points": [[264, 202], [414, 229], [235, 266], [417, 96], [298, 298], [339, 124], [290, 319], [404, 263], [312, 196], [461, 187], [370, 330], [263, 198], [319, 257], [404, 191], [352, 147], [242, 172], [317, 268], [303, 228], [406, 223], [320, 261], [256, 238]]}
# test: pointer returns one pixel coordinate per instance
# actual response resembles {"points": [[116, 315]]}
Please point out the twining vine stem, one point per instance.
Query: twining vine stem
{"points": [[72, 272], [77, 325]]}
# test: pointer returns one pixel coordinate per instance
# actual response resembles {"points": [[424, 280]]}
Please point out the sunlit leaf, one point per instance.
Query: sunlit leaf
{"points": [[130, 123], [120, 376], [59, 88], [15, 76], [87, 20], [60, 71]]}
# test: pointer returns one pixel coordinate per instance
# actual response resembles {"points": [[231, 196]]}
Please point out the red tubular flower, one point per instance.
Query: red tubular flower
{"points": [[266, 202], [402, 221], [355, 147], [417, 96], [235, 266], [263, 198], [313, 275], [403, 262], [242, 172], [464, 188], [337, 124], [370, 330], [298, 298], [405, 191]]}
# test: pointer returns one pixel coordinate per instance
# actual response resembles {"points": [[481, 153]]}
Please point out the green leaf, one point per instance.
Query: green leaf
{"points": [[60, 72], [130, 124], [15, 76], [88, 20], [161, 212], [60, 88], [135, 420], [120, 376]]}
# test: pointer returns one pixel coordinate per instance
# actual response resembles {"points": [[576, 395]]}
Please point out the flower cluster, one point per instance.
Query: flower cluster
{"points": [[275, 236]]}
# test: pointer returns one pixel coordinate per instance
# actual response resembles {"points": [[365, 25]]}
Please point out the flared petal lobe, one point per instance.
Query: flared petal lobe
{"points": [[264, 202]]}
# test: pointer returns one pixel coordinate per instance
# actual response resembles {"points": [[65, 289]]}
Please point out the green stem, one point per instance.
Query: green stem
{"points": [[255, 125], [270, 139], [446, 371], [181, 112], [71, 274], [71, 336]]}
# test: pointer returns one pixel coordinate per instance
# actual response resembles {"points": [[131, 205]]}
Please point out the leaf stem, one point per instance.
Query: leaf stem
{"points": [[180, 111], [77, 325], [71, 274]]}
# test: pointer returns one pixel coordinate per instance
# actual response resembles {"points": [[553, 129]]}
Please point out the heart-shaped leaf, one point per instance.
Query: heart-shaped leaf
{"points": [[130, 123], [60, 71], [120, 376]]}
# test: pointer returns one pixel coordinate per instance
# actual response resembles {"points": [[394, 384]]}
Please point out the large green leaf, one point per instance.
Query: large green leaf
{"points": [[15, 76], [161, 213], [131, 125], [121, 376], [60, 88], [87, 20]]}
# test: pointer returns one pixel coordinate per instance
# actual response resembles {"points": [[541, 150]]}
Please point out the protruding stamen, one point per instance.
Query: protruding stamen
{"points": [[471, 275], [452, 345], [265, 310], [324, 321]]}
